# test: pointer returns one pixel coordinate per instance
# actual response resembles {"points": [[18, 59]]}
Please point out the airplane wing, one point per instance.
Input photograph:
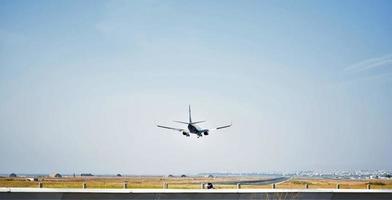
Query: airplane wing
{"points": [[226, 126], [171, 128], [220, 127]]}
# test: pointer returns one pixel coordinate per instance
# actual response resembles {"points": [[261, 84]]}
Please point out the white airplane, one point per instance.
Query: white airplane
{"points": [[192, 127]]}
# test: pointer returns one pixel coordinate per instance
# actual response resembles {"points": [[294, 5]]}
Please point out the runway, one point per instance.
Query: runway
{"points": [[257, 182], [103, 194]]}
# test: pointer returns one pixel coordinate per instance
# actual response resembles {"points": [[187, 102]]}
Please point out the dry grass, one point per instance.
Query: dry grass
{"points": [[189, 183], [100, 182], [332, 183]]}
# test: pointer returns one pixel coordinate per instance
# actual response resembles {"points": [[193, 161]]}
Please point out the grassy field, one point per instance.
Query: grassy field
{"points": [[189, 183], [332, 183], [111, 183]]}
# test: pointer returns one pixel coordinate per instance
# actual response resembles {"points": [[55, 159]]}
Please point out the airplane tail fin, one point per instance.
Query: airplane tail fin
{"points": [[190, 117]]}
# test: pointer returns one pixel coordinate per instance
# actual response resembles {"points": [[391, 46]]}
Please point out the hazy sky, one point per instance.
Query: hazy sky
{"points": [[307, 85]]}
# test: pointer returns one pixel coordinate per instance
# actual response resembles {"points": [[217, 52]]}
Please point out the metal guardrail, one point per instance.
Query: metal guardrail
{"points": [[103, 194]]}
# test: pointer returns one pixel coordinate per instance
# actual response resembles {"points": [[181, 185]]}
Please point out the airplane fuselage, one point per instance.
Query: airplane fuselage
{"points": [[197, 130]]}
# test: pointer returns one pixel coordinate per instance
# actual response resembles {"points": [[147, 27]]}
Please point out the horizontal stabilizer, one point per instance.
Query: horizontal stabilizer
{"points": [[181, 122], [198, 122]]}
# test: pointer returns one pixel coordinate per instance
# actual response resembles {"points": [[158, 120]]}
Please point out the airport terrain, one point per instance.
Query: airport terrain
{"points": [[229, 182]]}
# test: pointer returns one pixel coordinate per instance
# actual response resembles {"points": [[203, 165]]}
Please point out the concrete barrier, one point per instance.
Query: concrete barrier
{"points": [[103, 194]]}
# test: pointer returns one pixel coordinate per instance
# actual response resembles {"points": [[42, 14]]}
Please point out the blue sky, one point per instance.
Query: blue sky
{"points": [[307, 85]]}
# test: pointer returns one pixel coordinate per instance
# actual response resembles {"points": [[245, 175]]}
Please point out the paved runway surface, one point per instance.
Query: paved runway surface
{"points": [[258, 182], [57, 194]]}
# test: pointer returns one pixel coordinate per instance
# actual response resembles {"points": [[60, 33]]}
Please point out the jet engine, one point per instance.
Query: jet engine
{"points": [[205, 132], [185, 133]]}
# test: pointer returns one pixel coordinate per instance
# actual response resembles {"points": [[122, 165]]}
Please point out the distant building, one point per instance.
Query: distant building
{"points": [[183, 175], [56, 175], [86, 174], [210, 176], [170, 175], [13, 175], [374, 177], [118, 175]]}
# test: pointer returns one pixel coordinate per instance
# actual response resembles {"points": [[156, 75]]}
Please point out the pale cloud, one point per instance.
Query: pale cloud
{"points": [[370, 64]]}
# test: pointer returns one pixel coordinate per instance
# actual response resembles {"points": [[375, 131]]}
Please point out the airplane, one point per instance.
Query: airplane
{"points": [[192, 127]]}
